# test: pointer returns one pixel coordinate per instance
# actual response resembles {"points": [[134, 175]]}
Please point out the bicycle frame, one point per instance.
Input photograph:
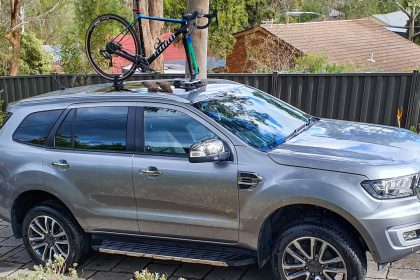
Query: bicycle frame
{"points": [[186, 40]]}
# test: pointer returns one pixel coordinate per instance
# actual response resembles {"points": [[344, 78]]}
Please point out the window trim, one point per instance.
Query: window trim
{"points": [[189, 112], [48, 133], [130, 142]]}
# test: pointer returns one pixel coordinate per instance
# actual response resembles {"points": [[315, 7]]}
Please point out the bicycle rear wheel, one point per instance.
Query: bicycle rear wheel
{"points": [[107, 37]]}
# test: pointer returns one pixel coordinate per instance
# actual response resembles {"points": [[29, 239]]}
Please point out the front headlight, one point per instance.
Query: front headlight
{"points": [[392, 188]]}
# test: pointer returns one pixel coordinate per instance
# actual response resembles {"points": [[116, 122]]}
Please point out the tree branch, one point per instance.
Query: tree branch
{"points": [[404, 10], [35, 18]]}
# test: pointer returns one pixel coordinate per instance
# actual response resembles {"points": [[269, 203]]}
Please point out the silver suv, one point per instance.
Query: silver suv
{"points": [[223, 175]]}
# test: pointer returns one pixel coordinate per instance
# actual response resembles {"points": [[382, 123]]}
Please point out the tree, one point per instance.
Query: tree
{"points": [[258, 10], [33, 59], [13, 25], [412, 9], [200, 37]]}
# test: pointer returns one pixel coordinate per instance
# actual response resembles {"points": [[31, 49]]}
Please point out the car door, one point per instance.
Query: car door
{"points": [[176, 198], [89, 163]]}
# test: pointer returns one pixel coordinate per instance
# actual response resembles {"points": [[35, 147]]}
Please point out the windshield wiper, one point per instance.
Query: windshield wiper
{"points": [[302, 128]]}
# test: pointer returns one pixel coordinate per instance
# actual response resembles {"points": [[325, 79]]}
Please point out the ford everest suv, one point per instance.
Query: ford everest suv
{"points": [[223, 175]]}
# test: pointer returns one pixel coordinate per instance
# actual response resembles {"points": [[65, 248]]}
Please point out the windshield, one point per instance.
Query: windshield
{"points": [[257, 118]]}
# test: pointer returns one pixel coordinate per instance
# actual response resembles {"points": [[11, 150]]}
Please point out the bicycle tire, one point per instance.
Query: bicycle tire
{"points": [[95, 64]]}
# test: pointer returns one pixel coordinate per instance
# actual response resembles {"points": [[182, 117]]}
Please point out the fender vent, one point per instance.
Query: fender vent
{"points": [[248, 180]]}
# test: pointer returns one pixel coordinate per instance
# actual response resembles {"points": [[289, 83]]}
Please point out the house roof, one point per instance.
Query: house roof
{"points": [[365, 43], [398, 18]]}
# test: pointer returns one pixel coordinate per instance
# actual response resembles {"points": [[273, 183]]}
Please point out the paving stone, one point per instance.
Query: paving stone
{"points": [[226, 273], [132, 264], [104, 263], [11, 242], [372, 271], [410, 262], [8, 268], [10, 252], [20, 257], [6, 232], [258, 274], [86, 274], [111, 276], [403, 274], [168, 270], [192, 271], [4, 251]]}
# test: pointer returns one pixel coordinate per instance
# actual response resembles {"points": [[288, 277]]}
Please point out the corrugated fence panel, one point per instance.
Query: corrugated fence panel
{"points": [[362, 97]]}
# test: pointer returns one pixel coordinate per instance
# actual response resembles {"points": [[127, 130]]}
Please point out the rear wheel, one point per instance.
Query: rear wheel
{"points": [[108, 35], [49, 230], [312, 251]]}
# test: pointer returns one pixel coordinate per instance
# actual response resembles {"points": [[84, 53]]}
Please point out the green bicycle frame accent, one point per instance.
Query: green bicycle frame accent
{"points": [[192, 55]]}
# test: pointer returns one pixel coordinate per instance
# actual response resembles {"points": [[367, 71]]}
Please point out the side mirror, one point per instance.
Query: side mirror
{"points": [[208, 151]]}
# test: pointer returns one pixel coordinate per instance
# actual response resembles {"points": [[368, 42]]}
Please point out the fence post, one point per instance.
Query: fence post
{"points": [[274, 80], [413, 101]]}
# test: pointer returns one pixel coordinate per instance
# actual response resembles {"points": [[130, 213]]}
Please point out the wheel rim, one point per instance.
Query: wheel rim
{"points": [[47, 238], [110, 31], [312, 258]]}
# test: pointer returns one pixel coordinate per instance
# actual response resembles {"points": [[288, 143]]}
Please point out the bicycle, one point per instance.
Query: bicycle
{"points": [[115, 51]]}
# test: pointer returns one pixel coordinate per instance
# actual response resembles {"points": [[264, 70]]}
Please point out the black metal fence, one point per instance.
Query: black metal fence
{"points": [[363, 97]]}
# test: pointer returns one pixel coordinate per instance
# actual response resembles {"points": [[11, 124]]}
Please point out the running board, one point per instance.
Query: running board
{"points": [[177, 252]]}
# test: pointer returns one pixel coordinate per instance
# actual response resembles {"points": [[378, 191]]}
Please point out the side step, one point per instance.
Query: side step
{"points": [[190, 253]]}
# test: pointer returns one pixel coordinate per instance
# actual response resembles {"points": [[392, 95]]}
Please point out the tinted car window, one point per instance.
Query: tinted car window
{"points": [[63, 136], [257, 118], [168, 131], [35, 127], [99, 128]]}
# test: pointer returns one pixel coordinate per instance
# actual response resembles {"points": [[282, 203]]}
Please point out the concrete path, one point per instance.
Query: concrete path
{"points": [[14, 259]]}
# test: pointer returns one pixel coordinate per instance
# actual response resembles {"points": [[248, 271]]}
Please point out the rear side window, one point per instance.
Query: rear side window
{"points": [[34, 128], [97, 129]]}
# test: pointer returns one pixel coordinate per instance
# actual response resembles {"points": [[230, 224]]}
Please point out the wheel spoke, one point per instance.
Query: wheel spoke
{"points": [[322, 251], [37, 223], [335, 270], [62, 242], [294, 255], [332, 261], [39, 245], [301, 250], [36, 239], [44, 253], [50, 254], [36, 230], [313, 244], [293, 266], [60, 234], [61, 252], [327, 277]]}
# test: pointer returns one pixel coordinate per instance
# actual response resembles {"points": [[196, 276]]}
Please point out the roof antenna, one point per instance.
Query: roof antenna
{"points": [[60, 86]]}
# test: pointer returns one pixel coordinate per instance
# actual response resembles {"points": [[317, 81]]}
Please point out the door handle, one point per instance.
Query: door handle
{"points": [[61, 164], [151, 172]]}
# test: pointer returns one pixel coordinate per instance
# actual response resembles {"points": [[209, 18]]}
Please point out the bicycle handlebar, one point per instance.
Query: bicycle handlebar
{"points": [[210, 19]]}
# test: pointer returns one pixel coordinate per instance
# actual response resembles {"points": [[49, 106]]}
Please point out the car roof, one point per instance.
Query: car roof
{"points": [[151, 90]]}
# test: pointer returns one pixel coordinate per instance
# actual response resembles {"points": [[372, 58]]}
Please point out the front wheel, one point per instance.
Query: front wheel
{"points": [[313, 251], [108, 36]]}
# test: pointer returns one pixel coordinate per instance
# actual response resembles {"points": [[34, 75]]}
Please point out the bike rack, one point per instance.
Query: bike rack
{"points": [[118, 85], [189, 85]]}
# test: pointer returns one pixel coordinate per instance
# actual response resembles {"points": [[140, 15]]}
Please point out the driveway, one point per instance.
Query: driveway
{"points": [[13, 259]]}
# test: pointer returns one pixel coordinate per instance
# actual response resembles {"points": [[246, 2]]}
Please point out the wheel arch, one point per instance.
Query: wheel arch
{"points": [[26, 201], [286, 215]]}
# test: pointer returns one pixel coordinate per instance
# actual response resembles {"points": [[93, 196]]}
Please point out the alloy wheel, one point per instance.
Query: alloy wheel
{"points": [[48, 239], [311, 258]]}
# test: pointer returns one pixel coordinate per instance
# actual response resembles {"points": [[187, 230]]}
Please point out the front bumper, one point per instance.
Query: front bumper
{"points": [[386, 226]]}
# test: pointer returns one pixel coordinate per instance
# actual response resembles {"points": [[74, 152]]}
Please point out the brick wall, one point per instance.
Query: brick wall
{"points": [[270, 53]]}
